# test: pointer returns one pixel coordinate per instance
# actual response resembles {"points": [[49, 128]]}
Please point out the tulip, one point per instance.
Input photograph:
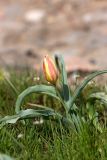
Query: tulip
{"points": [[50, 70]]}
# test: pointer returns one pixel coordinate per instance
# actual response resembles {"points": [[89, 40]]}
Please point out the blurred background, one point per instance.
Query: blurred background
{"points": [[76, 29]]}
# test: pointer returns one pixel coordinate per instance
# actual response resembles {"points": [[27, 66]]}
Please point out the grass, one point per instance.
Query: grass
{"points": [[48, 140]]}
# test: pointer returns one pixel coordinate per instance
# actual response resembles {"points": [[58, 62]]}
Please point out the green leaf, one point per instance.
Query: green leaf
{"points": [[27, 114], [11, 85], [62, 68], [49, 90], [78, 122], [90, 110], [32, 113], [93, 116], [96, 123], [65, 91], [39, 106], [84, 83]]}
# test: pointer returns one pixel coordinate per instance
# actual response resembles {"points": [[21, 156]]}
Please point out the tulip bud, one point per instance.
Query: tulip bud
{"points": [[50, 71]]}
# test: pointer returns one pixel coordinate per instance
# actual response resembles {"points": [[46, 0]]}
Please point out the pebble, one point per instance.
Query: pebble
{"points": [[34, 15]]}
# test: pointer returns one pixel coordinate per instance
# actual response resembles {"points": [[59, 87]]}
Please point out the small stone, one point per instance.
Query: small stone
{"points": [[34, 15]]}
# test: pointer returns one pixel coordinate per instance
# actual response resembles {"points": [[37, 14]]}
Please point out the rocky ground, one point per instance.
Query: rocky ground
{"points": [[77, 29]]}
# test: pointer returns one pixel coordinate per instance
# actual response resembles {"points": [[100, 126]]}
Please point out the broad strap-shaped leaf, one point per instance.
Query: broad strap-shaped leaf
{"points": [[82, 86], [65, 92], [27, 114], [32, 113], [61, 65], [48, 90]]}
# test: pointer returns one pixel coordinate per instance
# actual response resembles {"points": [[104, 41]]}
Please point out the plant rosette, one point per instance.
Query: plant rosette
{"points": [[58, 88]]}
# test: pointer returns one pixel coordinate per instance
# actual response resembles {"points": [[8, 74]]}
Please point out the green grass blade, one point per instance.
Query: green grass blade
{"points": [[11, 85], [100, 96], [48, 90], [77, 122], [39, 106]]}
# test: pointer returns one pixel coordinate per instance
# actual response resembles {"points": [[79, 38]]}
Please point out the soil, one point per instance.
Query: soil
{"points": [[76, 29]]}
